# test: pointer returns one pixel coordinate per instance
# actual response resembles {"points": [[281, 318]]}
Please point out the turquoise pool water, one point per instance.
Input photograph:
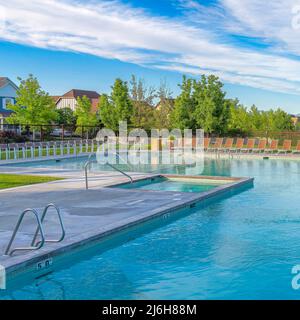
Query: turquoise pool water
{"points": [[77, 163], [240, 247], [164, 184]]}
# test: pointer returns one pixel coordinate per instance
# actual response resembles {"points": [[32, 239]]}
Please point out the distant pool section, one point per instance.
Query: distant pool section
{"points": [[174, 183], [77, 164]]}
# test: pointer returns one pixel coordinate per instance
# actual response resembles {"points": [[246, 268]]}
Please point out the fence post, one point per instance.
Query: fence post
{"points": [[62, 148], [54, 149], [47, 149], [40, 148], [74, 147], [15, 152]]}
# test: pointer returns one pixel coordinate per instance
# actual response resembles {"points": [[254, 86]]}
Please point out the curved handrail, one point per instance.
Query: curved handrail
{"points": [[89, 162], [39, 229], [63, 232], [121, 158], [125, 174], [86, 166]]}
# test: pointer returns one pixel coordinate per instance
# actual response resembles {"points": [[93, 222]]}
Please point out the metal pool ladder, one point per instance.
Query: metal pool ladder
{"points": [[89, 162], [39, 230]]}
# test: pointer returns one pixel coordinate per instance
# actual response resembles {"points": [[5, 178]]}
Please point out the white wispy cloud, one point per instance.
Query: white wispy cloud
{"points": [[192, 43]]}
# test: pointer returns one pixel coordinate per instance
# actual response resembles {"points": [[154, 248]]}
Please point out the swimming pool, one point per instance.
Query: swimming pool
{"points": [[240, 247], [77, 163]]}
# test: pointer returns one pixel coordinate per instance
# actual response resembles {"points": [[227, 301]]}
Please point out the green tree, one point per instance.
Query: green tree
{"points": [[66, 117], [239, 120], [142, 99], [116, 108], [33, 105], [86, 118], [283, 120], [182, 116], [256, 119], [107, 114], [279, 120], [211, 110], [162, 113]]}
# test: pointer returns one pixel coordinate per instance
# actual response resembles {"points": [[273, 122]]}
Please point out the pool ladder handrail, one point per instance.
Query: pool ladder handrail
{"points": [[39, 227], [63, 232], [89, 162], [39, 230]]}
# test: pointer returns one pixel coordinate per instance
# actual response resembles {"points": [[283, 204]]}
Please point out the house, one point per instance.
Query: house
{"points": [[295, 118], [169, 102], [8, 94], [69, 99]]}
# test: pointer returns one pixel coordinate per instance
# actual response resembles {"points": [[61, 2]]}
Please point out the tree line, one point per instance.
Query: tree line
{"points": [[201, 103]]}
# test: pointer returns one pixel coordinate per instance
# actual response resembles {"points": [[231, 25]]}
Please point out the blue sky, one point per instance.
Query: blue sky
{"points": [[253, 46]]}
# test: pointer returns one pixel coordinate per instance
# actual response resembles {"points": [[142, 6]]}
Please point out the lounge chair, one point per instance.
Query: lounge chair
{"points": [[218, 144], [250, 146], [273, 147], [227, 146], [297, 150], [286, 147], [261, 146], [238, 146], [206, 143]]}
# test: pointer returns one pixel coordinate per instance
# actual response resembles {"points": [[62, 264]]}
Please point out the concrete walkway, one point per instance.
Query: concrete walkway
{"points": [[87, 214]]}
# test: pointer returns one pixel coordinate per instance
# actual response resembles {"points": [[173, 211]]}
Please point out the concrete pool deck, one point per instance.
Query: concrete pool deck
{"points": [[88, 215]]}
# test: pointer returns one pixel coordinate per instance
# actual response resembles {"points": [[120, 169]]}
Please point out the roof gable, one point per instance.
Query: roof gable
{"points": [[4, 81], [75, 93]]}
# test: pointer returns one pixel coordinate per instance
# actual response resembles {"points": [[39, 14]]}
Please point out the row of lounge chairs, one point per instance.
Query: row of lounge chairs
{"points": [[239, 146]]}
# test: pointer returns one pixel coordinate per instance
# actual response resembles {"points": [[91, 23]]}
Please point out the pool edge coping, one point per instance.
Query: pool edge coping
{"points": [[17, 264]]}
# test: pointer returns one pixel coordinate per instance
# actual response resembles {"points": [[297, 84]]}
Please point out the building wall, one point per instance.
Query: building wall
{"points": [[7, 92], [3, 102], [67, 103]]}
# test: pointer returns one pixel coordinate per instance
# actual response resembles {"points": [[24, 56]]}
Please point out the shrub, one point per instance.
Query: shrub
{"points": [[11, 137]]}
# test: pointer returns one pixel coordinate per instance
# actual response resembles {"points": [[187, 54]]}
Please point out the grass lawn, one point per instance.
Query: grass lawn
{"points": [[16, 180], [59, 152]]}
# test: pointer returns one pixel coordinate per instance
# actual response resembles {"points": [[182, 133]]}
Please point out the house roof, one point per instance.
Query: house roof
{"points": [[4, 81], [55, 98], [75, 93], [171, 101]]}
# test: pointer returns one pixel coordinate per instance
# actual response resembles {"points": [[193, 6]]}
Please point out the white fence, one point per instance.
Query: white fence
{"points": [[32, 150]]}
